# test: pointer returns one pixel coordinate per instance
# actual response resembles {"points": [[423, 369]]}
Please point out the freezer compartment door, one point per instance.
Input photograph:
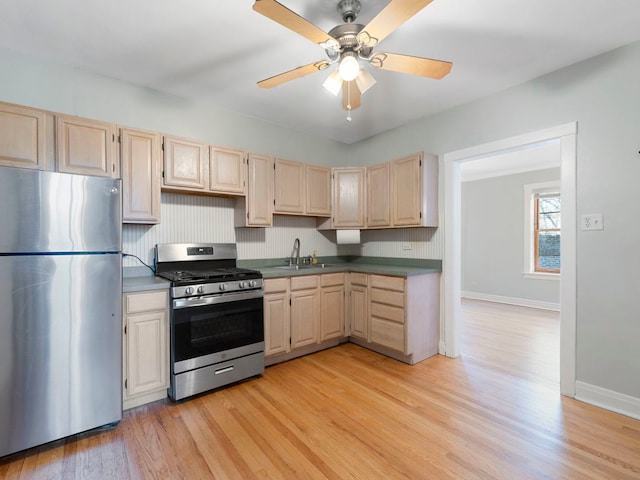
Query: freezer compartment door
{"points": [[58, 212], [60, 346]]}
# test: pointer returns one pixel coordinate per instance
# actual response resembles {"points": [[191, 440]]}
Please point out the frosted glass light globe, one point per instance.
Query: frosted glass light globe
{"points": [[349, 68]]}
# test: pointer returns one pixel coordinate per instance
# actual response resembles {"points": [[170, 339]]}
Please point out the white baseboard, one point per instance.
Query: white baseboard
{"points": [[608, 399], [521, 302]]}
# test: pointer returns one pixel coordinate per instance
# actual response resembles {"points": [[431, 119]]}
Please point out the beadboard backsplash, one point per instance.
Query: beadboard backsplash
{"points": [[200, 219]]}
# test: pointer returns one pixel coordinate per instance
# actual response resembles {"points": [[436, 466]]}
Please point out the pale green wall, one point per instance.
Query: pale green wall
{"points": [[603, 95], [493, 226]]}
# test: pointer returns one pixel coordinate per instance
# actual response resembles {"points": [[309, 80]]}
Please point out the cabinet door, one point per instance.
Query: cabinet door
{"points": [[304, 318], [227, 170], [86, 147], [406, 190], [147, 348], [318, 190], [359, 312], [140, 157], [331, 312], [276, 323], [26, 137], [185, 164], [348, 197], [289, 186], [378, 210], [259, 202]]}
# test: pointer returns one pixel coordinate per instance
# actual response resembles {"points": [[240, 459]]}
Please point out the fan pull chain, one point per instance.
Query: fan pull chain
{"points": [[348, 101]]}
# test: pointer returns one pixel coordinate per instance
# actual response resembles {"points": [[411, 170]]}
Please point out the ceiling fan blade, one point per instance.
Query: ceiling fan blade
{"points": [[293, 74], [291, 20], [350, 95], [391, 17], [425, 67]]}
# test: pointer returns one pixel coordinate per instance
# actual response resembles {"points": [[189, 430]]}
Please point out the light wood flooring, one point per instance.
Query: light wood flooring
{"points": [[348, 413]]}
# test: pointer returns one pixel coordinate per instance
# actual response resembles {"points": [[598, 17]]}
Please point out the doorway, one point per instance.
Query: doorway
{"points": [[451, 343]]}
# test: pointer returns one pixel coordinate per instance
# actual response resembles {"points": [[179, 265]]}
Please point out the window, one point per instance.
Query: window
{"points": [[542, 230], [546, 232]]}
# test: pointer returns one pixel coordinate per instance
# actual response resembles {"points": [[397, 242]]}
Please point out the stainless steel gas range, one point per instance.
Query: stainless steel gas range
{"points": [[217, 327]]}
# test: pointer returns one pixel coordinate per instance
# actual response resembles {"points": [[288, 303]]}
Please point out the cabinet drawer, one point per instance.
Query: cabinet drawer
{"points": [[146, 301], [274, 285], [304, 283], [395, 314], [329, 279], [358, 279], [388, 297], [388, 334], [389, 283]]}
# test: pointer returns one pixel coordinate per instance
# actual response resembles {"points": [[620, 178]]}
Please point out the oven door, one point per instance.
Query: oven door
{"points": [[208, 330]]}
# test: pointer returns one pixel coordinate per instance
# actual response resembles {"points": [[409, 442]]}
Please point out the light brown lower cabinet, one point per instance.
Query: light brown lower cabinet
{"points": [[397, 316], [145, 347], [302, 314]]}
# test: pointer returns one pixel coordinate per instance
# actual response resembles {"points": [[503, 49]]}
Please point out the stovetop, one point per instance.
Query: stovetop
{"points": [[190, 277]]}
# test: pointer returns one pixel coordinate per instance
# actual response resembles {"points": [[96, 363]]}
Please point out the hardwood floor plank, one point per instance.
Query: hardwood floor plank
{"points": [[349, 413]]}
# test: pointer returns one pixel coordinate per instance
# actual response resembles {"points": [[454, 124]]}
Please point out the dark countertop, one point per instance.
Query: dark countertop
{"points": [[137, 279], [399, 267]]}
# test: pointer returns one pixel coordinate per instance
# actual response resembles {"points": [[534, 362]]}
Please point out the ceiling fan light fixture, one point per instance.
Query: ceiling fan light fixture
{"points": [[349, 67], [333, 83], [365, 81]]}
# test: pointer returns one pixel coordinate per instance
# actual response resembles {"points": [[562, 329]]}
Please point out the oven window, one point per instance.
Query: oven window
{"points": [[199, 331]]}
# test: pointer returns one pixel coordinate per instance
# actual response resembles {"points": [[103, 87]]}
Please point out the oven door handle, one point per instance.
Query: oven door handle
{"points": [[215, 299]]}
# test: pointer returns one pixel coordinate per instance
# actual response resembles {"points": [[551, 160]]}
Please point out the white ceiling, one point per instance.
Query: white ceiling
{"points": [[218, 49]]}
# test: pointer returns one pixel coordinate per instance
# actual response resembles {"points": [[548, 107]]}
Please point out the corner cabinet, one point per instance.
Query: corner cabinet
{"points": [[145, 347], [348, 207], [318, 185], [141, 169], [86, 147], [26, 137], [378, 196], [396, 316], [289, 184]]}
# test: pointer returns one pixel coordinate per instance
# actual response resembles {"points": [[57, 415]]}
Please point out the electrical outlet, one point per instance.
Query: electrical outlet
{"points": [[406, 246], [592, 221]]}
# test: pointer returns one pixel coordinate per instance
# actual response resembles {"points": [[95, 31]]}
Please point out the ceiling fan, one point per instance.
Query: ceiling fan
{"points": [[351, 44]]}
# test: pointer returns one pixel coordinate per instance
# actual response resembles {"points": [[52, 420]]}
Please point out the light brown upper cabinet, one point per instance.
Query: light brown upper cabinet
{"points": [[289, 187], [86, 147], [141, 167], [185, 164], [347, 210], [414, 191], [26, 137], [318, 183], [256, 209], [227, 170], [378, 196]]}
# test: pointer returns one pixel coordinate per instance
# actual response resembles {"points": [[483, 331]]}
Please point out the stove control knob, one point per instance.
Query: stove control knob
{"points": [[222, 287], [242, 285], [252, 283], [200, 289], [188, 290]]}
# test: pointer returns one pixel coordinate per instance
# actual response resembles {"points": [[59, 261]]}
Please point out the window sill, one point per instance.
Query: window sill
{"points": [[541, 276]]}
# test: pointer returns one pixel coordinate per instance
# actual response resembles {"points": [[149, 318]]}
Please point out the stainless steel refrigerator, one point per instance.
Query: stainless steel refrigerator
{"points": [[60, 306]]}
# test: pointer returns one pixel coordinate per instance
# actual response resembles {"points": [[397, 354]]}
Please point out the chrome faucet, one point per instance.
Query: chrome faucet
{"points": [[296, 252]]}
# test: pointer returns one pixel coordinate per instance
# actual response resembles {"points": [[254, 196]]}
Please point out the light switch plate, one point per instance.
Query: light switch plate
{"points": [[592, 221], [406, 246]]}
